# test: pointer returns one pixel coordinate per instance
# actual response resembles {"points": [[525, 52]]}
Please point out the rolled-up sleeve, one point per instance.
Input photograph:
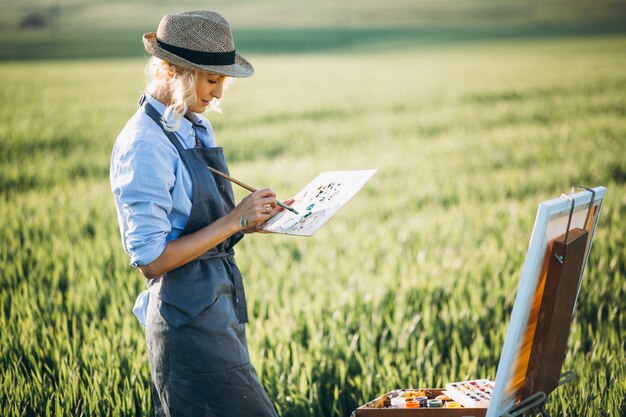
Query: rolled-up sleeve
{"points": [[142, 176]]}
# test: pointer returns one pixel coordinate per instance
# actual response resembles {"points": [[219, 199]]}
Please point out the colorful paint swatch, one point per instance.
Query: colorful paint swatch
{"points": [[318, 202]]}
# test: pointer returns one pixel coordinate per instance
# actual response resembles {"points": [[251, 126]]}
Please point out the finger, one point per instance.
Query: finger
{"points": [[274, 211], [266, 192], [257, 201], [260, 212], [268, 201], [263, 212], [287, 202]]}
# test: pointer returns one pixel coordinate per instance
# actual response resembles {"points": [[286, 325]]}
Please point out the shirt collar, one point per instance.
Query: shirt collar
{"points": [[196, 120], [185, 131]]}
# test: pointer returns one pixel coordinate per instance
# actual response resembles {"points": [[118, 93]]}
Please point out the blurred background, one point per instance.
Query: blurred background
{"points": [[87, 28], [473, 112]]}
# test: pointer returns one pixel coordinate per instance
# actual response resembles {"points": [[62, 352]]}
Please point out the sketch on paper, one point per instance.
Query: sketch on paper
{"points": [[318, 202]]}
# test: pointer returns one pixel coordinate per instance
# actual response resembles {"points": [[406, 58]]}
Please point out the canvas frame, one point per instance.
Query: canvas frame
{"points": [[551, 221]]}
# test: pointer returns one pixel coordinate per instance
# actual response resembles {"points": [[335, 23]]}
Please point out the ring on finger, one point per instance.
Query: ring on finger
{"points": [[267, 209]]}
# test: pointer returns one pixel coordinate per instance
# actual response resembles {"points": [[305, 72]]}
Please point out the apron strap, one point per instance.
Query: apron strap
{"points": [[228, 256], [156, 116]]}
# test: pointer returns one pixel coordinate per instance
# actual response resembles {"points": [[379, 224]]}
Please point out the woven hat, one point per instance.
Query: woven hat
{"points": [[199, 40]]}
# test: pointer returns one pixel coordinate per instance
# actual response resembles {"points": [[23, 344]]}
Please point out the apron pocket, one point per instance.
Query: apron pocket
{"points": [[213, 341]]}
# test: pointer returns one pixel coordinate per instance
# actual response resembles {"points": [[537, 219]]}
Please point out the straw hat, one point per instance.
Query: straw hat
{"points": [[199, 40]]}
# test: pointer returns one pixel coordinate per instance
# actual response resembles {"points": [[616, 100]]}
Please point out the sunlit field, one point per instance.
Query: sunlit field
{"points": [[410, 285]]}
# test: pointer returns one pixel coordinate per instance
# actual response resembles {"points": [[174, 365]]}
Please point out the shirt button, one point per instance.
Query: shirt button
{"points": [[222, 187]]}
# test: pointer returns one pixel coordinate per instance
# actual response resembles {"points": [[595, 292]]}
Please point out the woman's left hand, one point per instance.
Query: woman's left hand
{"points": [[275, 211]]}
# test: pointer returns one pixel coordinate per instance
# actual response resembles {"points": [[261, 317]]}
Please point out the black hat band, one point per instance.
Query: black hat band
{"points": [[199, 57]]}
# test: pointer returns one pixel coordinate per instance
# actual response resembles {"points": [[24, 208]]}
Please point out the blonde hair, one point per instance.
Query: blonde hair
{"points": [[177, 85]]}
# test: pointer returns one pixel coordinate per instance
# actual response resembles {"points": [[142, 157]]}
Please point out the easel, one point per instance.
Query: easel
{"points": [[529, 369], [556, 296], [536, 403]]}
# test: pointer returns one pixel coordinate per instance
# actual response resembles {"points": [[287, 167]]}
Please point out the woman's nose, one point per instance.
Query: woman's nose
{"points": [[217, 91]]}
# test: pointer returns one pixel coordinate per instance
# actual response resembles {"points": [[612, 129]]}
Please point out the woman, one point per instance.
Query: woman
{"points": [[179, 223]]}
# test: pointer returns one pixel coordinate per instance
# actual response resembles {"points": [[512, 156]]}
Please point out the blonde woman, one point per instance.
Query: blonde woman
{"points": [[179, 223]]}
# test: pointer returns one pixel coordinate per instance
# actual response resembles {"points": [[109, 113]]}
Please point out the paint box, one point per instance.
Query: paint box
{"points": [[369, 410], [536, 339]]}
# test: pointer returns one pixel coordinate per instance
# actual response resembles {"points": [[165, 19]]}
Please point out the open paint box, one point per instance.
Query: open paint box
{"points": [[536, 339]]}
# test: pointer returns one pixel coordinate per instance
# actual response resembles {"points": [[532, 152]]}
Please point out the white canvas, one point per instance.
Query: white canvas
{"points": [[551, 222]]}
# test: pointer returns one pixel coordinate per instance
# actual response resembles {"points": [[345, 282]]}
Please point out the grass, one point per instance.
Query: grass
{"points": [[412, 284], [126, 42]]}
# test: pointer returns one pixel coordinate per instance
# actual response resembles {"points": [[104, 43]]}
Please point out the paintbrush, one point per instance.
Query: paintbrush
{"points": [[247, 187]]}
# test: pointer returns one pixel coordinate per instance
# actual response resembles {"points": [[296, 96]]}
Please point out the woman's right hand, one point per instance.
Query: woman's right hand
{"points": [[256, 209]]}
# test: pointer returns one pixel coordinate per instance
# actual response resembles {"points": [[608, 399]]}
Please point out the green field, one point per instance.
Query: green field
{"points": [[411, 285]]}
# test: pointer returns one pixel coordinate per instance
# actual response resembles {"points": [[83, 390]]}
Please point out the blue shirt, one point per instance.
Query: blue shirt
{"points": [[150, 183]]}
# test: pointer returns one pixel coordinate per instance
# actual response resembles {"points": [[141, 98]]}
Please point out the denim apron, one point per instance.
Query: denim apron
{"points": [[195, 326]]}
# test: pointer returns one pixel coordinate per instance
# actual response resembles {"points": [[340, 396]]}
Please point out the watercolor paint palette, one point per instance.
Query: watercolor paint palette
{"points": [[475, 393], [420, 402], [320, 200]]}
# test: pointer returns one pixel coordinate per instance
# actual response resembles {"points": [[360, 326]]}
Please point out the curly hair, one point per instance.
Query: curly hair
{"points": [[177, 85]]}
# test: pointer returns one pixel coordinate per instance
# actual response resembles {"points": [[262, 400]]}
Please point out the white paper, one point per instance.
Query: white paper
{"points": [[318, 202]]}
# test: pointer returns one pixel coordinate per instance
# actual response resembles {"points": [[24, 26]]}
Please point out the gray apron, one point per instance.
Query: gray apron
{"points": [[195, 328]]}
